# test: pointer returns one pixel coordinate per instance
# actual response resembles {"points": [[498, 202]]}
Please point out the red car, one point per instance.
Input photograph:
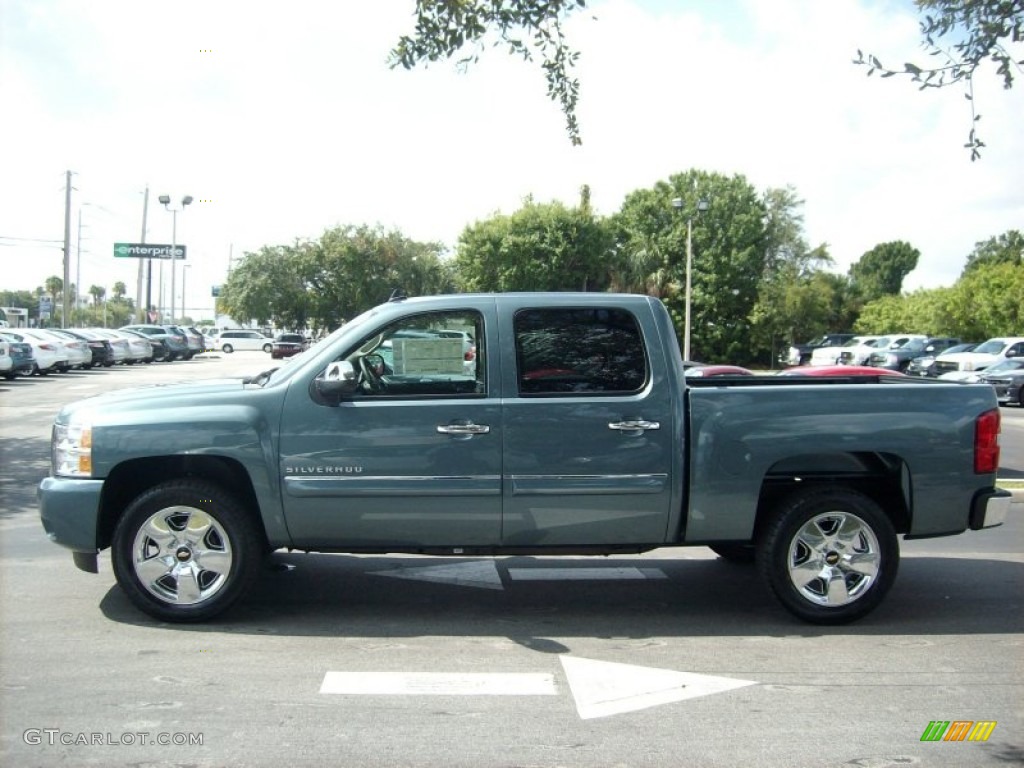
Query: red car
{"points": [[707, 371], [838, 370], [288, 344]]}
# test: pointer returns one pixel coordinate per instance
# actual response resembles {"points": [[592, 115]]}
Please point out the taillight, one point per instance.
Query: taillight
{"points": [[470, 355], [986, 443]]}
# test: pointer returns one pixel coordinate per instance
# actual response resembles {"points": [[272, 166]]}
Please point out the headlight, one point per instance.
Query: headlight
{"points": [[967, 366], [72, 450], [891, 359]]}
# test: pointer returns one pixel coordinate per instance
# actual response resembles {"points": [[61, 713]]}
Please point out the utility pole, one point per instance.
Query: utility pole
{"points": [[141, 309], [67, 246]]}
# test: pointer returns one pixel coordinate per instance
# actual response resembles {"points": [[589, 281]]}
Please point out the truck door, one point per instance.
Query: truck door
{"points": [[589, 429], [413, 459]]}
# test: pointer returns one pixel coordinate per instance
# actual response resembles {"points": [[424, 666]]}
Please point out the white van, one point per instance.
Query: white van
{"points": [[244, 341]]}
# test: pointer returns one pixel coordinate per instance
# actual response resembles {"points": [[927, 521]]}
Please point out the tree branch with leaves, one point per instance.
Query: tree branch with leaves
{"points": [[982, 30], [529, 28]]}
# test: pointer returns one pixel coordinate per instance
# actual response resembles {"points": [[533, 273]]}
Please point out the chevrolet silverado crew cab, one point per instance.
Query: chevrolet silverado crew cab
{"points": [[570, 430]]}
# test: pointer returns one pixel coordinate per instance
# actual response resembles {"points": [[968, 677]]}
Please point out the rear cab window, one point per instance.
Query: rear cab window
{"points": [[573, 351]]}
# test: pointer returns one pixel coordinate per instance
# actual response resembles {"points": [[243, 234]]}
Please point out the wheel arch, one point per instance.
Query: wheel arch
{"points": [[882, 477], [131, 478]]}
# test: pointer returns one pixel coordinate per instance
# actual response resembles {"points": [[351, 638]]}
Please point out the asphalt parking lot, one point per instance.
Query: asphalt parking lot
{"points": [[673, 658]]}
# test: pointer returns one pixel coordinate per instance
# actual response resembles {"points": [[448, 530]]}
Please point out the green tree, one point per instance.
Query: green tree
{"points": [[794, 301], [880, 271], [320, 284], [119, 290], [729, 256], [97, 292], [977, 30], [926, 311], [988, 301], [266, 287], [55, 290], [1007, 248], [540, 247], [528, 28]]}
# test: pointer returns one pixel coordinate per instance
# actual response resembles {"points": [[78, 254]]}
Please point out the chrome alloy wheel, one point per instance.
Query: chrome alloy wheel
{"points": [[182, 555], [834, 559]]}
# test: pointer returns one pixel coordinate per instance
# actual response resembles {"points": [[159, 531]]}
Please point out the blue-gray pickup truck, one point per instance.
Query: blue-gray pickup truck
{"points": [[479, 425]]}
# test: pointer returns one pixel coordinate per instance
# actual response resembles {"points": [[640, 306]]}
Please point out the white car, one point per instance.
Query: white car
{"points": [[49, 353], [860, 354], [981, 357], [972, 377], [244, 341], [139, 350], [79, 352], [831, 355], [6, 361], [118, 345]]}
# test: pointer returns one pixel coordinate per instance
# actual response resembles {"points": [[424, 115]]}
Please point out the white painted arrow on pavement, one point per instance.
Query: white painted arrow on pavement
{"points": [[603, 688], [484, 574], [478, 573], [599, 688]]}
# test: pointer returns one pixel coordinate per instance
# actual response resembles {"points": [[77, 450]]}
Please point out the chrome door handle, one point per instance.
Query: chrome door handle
{"points": [[634, 425], [463, 429]]}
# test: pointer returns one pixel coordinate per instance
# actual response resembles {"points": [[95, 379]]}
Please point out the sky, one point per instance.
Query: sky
{"points": [[283, 119]]}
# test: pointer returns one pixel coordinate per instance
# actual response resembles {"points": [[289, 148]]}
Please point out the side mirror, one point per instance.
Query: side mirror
{"points": [[339, 379]]}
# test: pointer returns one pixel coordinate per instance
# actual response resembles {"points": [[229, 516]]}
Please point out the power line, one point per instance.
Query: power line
{"points": [[29, 239]]}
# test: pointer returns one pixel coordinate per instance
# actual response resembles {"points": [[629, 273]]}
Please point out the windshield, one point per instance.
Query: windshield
{"points": [[1006, 365], [991, 347], [278, 374]]}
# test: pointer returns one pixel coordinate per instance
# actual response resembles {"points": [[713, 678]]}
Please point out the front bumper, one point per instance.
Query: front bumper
{"points": [[990, 509], [70, 510]]}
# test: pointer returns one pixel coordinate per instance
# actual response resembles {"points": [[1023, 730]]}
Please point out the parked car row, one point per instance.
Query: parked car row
{"points": [[28, 351], [914, 354]]}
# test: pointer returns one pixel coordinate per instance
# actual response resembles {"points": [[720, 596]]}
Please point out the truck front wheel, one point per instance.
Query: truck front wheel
{"points": [[830, 555], [185, 550]]}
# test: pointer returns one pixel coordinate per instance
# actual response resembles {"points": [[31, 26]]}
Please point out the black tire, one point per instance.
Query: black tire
{"points": [[186, 550], [227, 349], [734, 552], [832, 531], [267, 347]]}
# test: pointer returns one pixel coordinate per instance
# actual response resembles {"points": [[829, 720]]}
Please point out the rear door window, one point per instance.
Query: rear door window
{"points": [[567, 351]]}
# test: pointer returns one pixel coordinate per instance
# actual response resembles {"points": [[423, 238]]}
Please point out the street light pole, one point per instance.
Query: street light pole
{"points": [[702, 205], [689, 272], [165, 200], [174, 252]]}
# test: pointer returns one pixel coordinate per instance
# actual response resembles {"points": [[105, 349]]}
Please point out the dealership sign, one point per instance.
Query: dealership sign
{"points": [[148, 251]]}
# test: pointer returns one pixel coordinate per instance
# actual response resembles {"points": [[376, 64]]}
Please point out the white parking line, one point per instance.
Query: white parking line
{"points": [[439, 684], [628, 573]]}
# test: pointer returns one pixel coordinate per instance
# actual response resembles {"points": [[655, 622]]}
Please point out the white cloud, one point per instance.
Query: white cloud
{"points": [[283, 119]]}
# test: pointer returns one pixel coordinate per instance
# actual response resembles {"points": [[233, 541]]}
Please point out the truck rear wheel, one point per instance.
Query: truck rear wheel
{"points": [[830, 555], [185, 550]]}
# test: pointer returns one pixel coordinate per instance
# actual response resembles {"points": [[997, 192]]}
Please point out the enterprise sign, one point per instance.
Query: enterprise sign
{"points": [[148, 251]]}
